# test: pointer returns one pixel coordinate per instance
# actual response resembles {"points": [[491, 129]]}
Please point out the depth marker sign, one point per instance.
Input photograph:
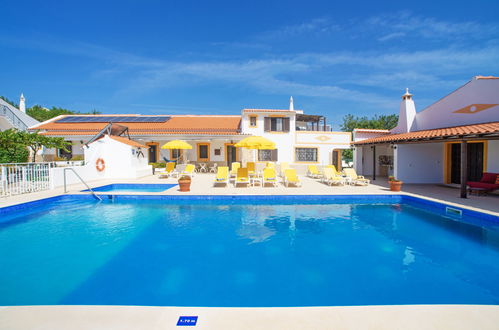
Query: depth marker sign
{"points": [[187, 321]]}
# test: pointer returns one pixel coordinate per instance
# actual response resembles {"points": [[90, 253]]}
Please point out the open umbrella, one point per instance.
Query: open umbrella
{"points": [[177, 144], [257, 143]]}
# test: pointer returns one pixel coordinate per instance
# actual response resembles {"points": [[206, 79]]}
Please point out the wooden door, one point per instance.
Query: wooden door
{"points": [[475, 162]]}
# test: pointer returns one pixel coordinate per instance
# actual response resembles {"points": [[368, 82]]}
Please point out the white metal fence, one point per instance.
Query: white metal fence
{"points": [[22, 178]]}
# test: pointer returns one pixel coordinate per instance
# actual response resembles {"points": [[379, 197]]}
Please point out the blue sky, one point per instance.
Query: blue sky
{"points": [[217, 57]]}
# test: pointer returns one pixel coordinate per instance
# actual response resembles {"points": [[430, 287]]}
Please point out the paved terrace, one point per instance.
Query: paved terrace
{"points": [[347, 317], [202, 184]]}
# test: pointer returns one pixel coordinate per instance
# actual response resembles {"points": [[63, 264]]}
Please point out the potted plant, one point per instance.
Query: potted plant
{"points": [[395, 185], [184, 183]]}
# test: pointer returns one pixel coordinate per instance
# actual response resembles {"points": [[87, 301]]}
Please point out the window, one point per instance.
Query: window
{"points": [[203, 151], [252, 121], [67, 154], [267, 155], [175, 154], [276, 124], [306, 154]]}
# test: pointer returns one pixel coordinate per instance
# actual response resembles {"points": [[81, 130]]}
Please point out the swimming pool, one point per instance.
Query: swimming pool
{"points": [[246, 251], [133, 187]]}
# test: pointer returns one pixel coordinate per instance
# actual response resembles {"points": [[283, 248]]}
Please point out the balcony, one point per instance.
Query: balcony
{"points": [[312, 123]]}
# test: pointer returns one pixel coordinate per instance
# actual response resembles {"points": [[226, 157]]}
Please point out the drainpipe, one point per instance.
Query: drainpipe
{"points": [[374, 162], [464, 167]]}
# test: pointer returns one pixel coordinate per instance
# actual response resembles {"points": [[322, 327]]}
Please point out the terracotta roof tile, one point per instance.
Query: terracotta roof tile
{"points": [[198, 125], [369, 130], [485, 128], [127, 141], [269, 110]]}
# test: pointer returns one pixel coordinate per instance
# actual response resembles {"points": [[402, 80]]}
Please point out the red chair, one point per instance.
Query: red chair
{"points": [[489, 182]]}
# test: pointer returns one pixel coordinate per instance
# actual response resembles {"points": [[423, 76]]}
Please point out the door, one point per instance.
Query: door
{"points": [[337, 159], [153, 149], [231, 154], [475, 162]]}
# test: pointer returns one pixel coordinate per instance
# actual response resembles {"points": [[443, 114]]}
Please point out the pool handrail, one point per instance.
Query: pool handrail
{"points": [[79, 177]]}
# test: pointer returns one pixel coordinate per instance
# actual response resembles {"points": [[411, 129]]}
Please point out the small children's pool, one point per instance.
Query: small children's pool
{"points": [[246, 251], [133, 187]]}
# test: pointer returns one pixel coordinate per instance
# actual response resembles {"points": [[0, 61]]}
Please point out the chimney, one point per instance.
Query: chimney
{"points": [[407, 114], [291, 106], [22, 104]]}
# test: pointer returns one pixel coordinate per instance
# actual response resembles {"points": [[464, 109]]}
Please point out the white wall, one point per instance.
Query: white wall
{"points": [[493, 156], [442, 113], [364, 160], [122, 161], [286, 143], [419, 163]]}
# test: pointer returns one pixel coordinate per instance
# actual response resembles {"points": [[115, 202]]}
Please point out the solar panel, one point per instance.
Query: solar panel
{"points": [[113, 119]]}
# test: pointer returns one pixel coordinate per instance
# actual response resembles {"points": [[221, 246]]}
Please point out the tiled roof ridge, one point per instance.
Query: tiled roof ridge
{"points": [[478, 128], [270, 110], [127, 141]]}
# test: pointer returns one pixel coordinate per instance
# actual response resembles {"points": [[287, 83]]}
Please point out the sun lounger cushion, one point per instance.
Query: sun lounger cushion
{"points": [[488, 177]]}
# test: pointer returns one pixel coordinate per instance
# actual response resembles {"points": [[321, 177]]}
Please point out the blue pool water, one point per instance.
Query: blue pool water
{"points": [[272, 251], [133, 187]]}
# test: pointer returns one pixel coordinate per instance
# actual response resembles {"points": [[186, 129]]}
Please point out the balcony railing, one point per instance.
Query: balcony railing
{"points": [[22, 178], [12, 118]]}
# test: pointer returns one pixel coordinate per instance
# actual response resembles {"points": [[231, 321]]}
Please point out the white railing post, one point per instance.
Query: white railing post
{"points": [[21, 178]]}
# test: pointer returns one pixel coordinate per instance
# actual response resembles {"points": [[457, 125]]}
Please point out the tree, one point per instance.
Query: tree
{"points": [[36, 141], [12, 103], [12, 147], [351, 122]]}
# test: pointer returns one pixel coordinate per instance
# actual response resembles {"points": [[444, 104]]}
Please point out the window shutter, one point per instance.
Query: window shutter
{"points": [[285, 124], [273, 155], [266, 126]]}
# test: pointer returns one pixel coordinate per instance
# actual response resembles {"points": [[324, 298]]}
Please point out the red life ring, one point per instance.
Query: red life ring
{"points": [[100, 165]]}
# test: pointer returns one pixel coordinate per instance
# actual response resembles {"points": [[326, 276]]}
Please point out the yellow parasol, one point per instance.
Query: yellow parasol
{"points": [[255, 142], [177, 144]]}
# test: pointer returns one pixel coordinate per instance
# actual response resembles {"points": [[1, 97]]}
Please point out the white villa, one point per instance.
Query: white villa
{"points": [[426, 146], [12, 117], [300, 139]]}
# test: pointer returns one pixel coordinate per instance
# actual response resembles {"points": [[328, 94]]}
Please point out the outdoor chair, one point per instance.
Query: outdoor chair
{"points": [[233, 168], [269, 176], [251, 168], [213, 168], [283, 167], [222, 176], [168, 170], [290, 177], [313, 172], [242, 177], [189, 170], [357, 180], [331, 178]]}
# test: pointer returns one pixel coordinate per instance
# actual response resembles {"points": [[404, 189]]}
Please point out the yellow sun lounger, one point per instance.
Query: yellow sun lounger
{"points": [[189, 170], [269, 176], [284, 166], [313, 172], [251, 168], [168, 170], [358, 180], [242, 176], [331, 178], [233, 168], [222, 176], [290, 177]]}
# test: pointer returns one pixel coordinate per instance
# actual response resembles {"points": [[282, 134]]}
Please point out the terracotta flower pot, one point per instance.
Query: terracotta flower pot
{"points": [[395, 185], [184, 184]]}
